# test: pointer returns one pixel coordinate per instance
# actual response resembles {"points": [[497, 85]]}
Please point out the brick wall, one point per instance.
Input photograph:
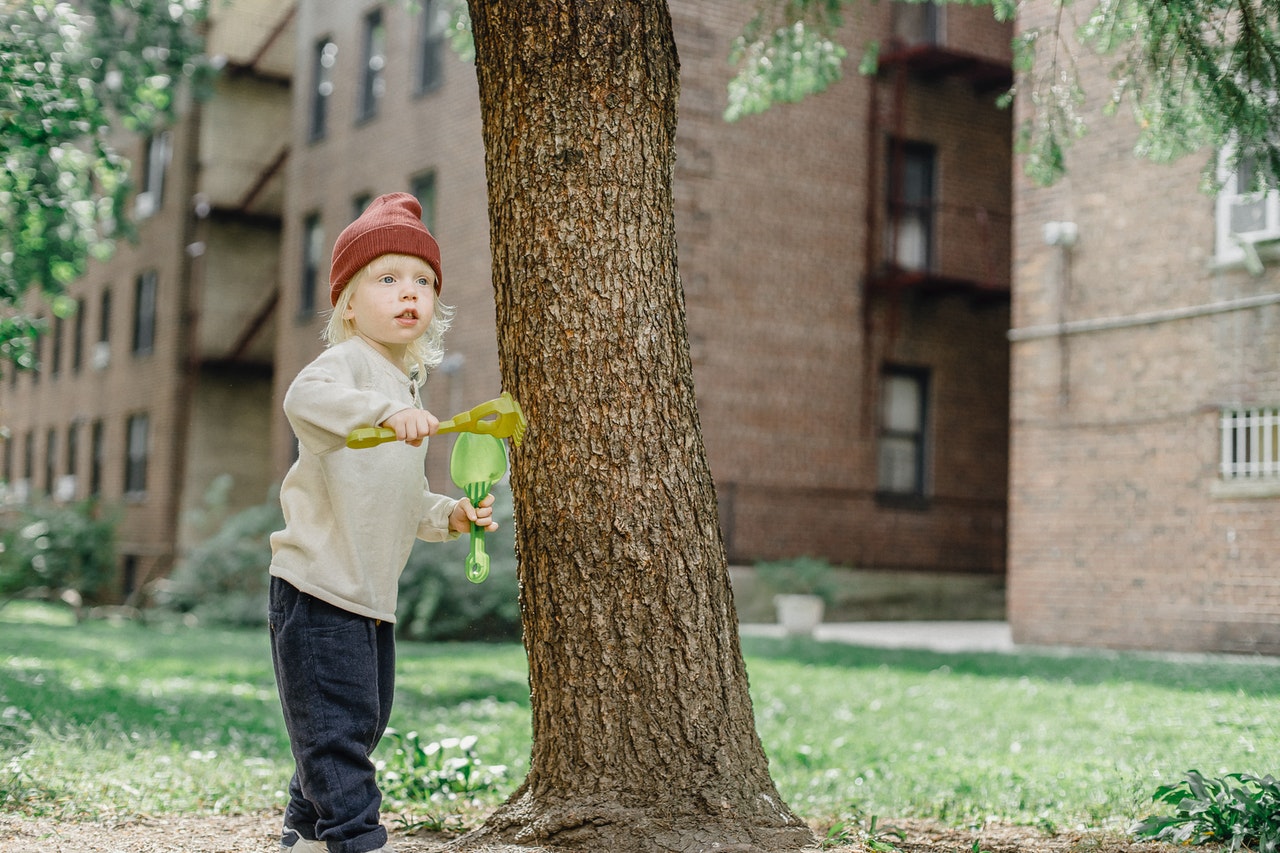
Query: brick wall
{"points": [[771, 215], [1122, 533]]}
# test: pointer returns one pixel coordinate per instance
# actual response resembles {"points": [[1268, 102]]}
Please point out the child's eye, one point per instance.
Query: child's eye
{"points": [[424, 282], [388, 279]]}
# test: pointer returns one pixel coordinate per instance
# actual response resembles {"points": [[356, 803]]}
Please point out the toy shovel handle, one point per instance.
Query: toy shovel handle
{"points": [[478, 559]]}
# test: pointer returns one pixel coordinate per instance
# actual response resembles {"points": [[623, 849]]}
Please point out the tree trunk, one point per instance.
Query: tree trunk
{"points": [[643, 734]]}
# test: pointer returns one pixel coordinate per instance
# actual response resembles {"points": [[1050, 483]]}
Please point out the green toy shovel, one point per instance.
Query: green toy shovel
{"points": [[477, 463]]}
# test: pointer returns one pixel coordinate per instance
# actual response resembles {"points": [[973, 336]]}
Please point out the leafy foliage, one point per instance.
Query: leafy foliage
{"points": [[437, 602], [57, 547], [224, 579], [1195, 74], [1238, 810], [784, 61], [438, 772], [69, 75], [799, 576]]}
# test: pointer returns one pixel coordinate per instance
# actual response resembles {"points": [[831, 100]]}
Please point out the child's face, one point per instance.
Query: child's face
{"points": [[393, 302]]}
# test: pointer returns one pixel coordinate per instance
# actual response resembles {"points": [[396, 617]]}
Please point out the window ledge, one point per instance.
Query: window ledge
{"points": [[1239, 490], [1263, 251]]}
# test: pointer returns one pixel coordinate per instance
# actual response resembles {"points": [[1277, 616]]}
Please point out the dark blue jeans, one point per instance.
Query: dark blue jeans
{"points": [[336, 675]]}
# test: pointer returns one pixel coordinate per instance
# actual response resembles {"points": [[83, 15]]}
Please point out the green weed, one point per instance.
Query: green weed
{"points": [[1238, 810]]}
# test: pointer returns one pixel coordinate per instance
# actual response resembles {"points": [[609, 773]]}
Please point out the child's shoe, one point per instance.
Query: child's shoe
{"points": [[291, 841]]}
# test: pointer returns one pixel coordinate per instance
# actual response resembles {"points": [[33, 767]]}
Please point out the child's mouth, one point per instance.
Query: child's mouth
{"points": [[407, 315]]}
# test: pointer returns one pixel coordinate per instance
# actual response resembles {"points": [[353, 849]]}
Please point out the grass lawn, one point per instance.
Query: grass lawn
{"points": [[103, 719]]}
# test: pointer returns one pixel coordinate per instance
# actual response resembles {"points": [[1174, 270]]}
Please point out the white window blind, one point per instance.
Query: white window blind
{"points": [[1251, 443]]}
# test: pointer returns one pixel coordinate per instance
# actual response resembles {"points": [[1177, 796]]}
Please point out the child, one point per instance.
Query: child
{"points": [[350, 520]]}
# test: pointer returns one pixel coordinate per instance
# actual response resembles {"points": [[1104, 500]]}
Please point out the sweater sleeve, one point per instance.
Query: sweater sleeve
{"points": [[324, 404], [434, 526]]}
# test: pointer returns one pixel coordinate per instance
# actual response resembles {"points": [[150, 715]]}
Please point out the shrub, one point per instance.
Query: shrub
{"points": [[798, 576], [58, 547], [224, 579], [437, 602], [1238, 810]]}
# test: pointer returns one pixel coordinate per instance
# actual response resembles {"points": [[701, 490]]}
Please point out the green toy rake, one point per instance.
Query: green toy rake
{"points": [[507, 421]]}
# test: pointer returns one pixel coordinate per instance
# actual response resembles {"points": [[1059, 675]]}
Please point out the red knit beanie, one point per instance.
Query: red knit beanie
{"points": [[391, 224]]}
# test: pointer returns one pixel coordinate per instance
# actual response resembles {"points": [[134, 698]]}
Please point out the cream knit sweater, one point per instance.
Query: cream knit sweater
{"points": [[351, 516]]}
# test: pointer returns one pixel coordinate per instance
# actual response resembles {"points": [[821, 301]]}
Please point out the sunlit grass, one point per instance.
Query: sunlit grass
{"points": [[1037, 739], [102, 719]]}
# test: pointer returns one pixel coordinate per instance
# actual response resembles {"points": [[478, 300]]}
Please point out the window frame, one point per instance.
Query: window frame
{"points": [[312, 262], [916, 494], [324, 58], [424, 186], [145, 297], [900, 208], [373, 66], [137, 441], [433, 23], [1237, 247], [157, 156]]}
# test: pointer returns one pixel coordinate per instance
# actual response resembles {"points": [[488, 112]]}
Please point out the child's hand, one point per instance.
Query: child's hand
{"points": [[464, 514], [412, 425]]}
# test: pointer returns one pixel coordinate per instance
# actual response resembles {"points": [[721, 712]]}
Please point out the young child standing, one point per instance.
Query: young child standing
{"points": [[351, 517]]}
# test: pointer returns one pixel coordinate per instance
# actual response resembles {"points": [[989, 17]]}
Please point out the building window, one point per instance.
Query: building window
{"points": [[373, 81], [50, 461], [1251, 443], [432, 24], [55, 361], [911, 204], [312, 257], [423, 188], [151, 192], [135, 470], [144, 313], [326, 56], [97, 456], [66, 490], [77, 340], [37, 352], [129, 575], [1246, 217], [102, 349], [28, 465], [917, 23], [358, 203], [901, 441]]}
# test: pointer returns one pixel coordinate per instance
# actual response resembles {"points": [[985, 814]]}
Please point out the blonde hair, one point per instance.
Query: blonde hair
{"points": [[424, 353]]}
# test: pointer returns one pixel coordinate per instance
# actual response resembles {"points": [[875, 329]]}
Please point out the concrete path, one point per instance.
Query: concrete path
{"points": [[932, 636]]}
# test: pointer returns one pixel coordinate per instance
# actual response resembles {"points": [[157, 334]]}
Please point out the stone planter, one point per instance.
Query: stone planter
{"points": [[798, 615]]}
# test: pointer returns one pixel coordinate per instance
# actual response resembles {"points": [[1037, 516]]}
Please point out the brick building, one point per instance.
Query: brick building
{"points": [[1144, 503], [161, 381], [846, 263]]}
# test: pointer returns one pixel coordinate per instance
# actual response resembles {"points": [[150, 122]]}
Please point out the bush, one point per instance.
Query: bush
{"points": [[224, 579], [58, 547], [437, 602]]}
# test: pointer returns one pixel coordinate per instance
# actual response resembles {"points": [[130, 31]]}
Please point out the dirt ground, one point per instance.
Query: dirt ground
{"points": [[259, 834]]}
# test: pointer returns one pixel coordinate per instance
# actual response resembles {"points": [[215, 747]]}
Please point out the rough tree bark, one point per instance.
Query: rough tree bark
{"points": [[643, 734]]}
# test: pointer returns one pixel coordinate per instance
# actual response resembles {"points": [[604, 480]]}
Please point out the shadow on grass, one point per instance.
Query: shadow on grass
{"points": [[1251, 676]]}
